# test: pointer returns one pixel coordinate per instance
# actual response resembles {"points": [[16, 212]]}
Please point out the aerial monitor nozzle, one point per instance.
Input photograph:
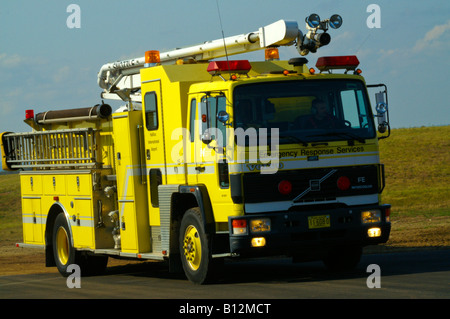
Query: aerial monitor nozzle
{"points": [[314, 39]]}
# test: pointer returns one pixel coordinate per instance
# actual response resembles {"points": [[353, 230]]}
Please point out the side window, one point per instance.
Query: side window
{"points": [[221, 106], [151, 111], [155, 181], [363, 116], [217, 129], [350, 107], [353, 107], [192, 119]]}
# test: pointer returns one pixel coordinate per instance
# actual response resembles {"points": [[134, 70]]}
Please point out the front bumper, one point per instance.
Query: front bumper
{"points": [[290, 233]]}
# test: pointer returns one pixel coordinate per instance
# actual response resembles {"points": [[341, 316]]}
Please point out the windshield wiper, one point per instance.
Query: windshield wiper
{"points": [[295, 139], [347, 134]]}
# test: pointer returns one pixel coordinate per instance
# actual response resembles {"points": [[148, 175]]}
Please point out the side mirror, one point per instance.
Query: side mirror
{"points": [[381, 107], [206, 137], [381, 116]]}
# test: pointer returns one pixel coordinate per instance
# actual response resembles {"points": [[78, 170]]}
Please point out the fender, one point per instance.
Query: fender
{"points": [[54, 210], [204, 203]]}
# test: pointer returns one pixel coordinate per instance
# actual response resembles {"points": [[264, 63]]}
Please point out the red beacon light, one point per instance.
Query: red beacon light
{"points": [[347, 62], [230, 67], [29, 114]]}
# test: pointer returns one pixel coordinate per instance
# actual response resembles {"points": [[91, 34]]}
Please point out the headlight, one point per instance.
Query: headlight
{"points": [[371, 216], [260, 225]]}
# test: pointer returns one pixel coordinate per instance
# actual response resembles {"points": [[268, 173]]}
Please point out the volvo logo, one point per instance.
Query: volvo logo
{"points": [[314, 184]]}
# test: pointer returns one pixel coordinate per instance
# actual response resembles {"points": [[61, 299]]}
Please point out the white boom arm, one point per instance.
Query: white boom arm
{"points": [[120, 79]]}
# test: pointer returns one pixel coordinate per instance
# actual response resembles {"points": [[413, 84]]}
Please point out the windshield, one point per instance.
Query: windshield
{"points": [[306, 111]]}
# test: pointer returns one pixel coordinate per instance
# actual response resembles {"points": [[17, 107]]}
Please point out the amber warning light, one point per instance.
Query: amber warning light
{"points": [[271, 54], [152, 57]]}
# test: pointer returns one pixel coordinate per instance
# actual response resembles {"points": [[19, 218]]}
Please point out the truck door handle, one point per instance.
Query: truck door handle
{"points": [[148, 154], [200, 169]]}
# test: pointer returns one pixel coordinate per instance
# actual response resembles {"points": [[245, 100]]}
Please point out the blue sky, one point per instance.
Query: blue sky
{"points": [[44, 65]]}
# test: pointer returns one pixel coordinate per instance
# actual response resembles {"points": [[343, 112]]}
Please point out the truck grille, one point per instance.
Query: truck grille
{"points": [[310, 185]]}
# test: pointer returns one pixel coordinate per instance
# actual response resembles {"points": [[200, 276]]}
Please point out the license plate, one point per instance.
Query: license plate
{"points": [[319, 221]]}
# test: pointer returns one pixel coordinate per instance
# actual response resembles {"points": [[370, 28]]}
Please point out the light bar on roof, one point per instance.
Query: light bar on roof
{"points": [[348, 62], [232, 66]]}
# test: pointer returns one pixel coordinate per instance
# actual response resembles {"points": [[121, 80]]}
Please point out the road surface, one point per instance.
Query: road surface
{"points": [[403, 275]]}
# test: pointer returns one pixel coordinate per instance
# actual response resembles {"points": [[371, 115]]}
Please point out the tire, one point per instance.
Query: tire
{"points": [[63, 251], [65, 254], [195, 248], [344, 258]]}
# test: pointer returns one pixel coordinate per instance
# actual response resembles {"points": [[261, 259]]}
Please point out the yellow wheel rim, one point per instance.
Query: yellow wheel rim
{"points": [[62, 245], [192, 247]]}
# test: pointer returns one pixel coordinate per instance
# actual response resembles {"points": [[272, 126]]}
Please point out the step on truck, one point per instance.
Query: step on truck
{"points": [[210, 158]]}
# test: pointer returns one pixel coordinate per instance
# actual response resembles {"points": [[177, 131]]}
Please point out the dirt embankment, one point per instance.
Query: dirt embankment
{"points": [[20, 261]]}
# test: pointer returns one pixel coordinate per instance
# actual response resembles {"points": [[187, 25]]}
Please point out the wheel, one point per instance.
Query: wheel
{"points": [[343, 258], [63, 250], [194, 247], [65, 254]]}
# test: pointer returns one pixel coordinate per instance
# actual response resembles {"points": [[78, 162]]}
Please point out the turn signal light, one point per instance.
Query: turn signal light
{"points": [[388, 214], [239, 226]]}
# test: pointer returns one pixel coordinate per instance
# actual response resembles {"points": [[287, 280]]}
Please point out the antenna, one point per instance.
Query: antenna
{"points": [[223, 35]]}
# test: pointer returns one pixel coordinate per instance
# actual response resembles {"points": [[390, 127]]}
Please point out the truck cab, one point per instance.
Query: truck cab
{"points": [[285, 161]]}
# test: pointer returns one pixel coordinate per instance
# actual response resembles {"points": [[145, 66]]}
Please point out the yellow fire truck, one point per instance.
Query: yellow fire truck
{"points": [[210, 159]]}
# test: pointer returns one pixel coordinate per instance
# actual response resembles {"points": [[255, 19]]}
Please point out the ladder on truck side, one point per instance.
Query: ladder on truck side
{"points": [[62, 149]]}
